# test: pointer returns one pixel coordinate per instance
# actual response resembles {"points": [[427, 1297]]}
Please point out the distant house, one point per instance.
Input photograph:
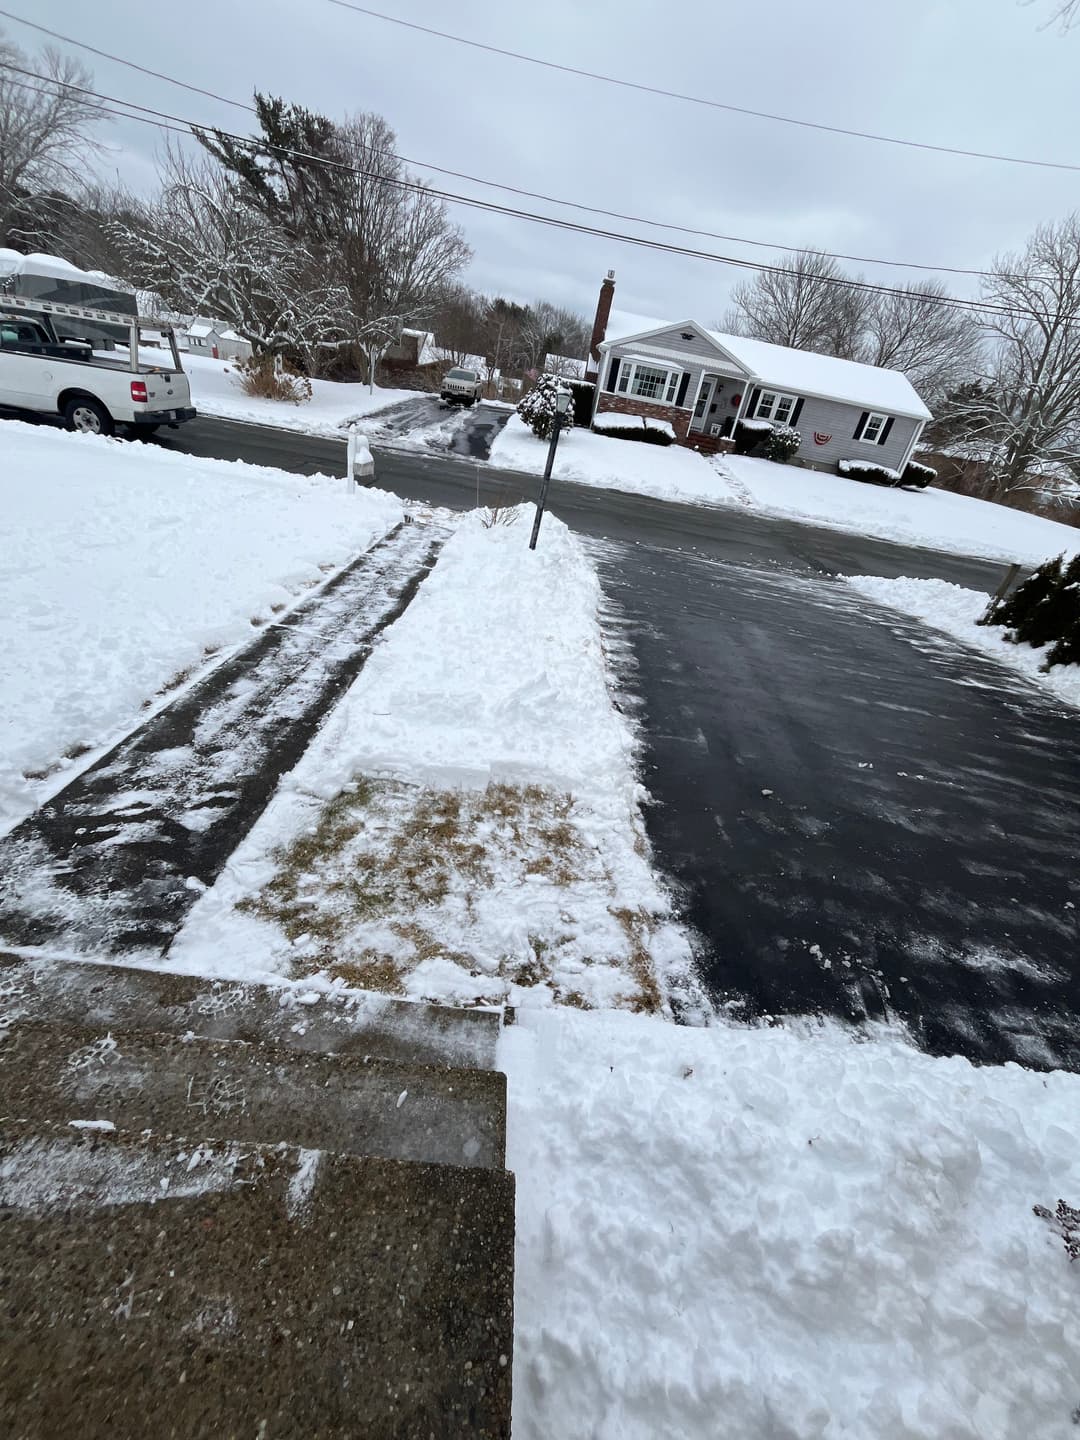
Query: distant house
{"points": [[215, 338], [704, 383]]}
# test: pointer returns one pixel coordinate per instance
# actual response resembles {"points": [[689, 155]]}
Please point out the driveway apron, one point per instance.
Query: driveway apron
{"points": [[863, 819]]}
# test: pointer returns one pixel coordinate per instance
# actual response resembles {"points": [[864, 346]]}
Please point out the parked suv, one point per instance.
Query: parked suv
{"points": [[461, 387]]}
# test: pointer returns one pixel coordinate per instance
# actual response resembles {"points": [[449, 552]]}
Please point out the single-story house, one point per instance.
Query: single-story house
{"points": [[704, 383], [214, 337]]}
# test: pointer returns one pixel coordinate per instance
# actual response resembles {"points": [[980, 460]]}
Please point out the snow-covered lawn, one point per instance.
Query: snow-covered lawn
{"points": [[669, 472], [934, 518], [466, 826], [955, 610], [783, 1232], [124, 566], [215, 390]]}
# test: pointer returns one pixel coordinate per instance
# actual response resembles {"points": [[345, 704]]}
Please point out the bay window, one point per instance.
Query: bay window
{"points": [[648, 381]]}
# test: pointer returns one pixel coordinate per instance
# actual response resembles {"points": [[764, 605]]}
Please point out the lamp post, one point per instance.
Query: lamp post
{"points": [[562, 406]]}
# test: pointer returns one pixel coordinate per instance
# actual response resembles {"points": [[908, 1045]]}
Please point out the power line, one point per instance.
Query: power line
{"points": [[530, 194], [184, 126], [700, 100]]}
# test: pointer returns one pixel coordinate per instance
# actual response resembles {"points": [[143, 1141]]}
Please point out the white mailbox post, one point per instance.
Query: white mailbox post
{"points": [[360, 463]]}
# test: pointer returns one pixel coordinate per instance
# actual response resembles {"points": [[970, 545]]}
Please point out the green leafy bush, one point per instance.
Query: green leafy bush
{"points": [[1044, 610]]}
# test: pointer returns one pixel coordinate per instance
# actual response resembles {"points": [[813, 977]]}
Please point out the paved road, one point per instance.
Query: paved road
{"points": [[726, 534], [863, 819]]}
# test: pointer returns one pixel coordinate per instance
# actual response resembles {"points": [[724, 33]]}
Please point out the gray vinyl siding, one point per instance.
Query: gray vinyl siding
{"points": [[833, 417], [701, 359]]}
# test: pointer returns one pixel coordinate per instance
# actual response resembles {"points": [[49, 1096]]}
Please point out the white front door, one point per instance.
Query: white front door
{"points": [[704, 400]]}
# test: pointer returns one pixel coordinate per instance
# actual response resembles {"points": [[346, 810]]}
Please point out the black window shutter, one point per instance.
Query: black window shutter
{"points": [[885, 431], [795, 414], [755, 396], [612, 375], [683, 384], [861, 426]]}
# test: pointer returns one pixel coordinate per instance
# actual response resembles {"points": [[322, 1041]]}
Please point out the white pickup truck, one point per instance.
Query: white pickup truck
{"points": [[94, 390]]}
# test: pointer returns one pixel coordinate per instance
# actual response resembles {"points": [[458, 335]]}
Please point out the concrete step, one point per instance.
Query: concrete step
{"points": [[291, 1016], [249, 1291], [232, 1091]]}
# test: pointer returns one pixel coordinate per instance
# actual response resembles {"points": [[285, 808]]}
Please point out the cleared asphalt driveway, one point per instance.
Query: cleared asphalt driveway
{"points": [[862, 818]]}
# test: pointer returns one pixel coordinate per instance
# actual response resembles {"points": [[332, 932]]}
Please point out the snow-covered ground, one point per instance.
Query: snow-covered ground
{"points": [[669, 472], [784, 1232], [955, 610], [931, 517], [125, 565], [215, 390], [466, 826]]}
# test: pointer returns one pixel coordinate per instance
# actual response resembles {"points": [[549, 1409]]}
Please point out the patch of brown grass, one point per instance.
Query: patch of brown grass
{"points": [[636, 925]]}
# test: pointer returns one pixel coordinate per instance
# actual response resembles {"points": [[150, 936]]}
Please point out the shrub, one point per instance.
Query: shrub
{"points": [[634, 427], [270, 378], [537, 408], [1044, 610], [872, 474], [919, 475], [584, 393], [750, 435], [781, 443]]}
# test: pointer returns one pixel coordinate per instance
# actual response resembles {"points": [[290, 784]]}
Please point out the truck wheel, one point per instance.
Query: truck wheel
{"points": [[88, 416]]}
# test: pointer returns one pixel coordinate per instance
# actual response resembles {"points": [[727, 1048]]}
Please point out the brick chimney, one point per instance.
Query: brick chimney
{"points": [[600, 324]]}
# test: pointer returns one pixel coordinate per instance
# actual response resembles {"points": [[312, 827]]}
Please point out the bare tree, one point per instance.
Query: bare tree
{"points": [[1066, 14], [549, 329], [45, 137], [458, 320], [1025, 415], [205, 252], [914, 329], [806, 305]]}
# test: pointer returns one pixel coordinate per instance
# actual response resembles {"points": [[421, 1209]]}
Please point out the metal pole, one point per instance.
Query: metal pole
{"points": [[546, 481]]}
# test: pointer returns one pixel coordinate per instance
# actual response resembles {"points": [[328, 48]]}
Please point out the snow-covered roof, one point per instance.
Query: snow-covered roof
{"points": [[805, 372], [203, 328], [55, 268], [801, 372], [232, 335]]}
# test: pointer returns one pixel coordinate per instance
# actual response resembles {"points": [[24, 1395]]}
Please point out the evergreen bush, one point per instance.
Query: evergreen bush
{"points": [[635, 430], [538, 410], [584, 392], [920, 475], [751, 435], [781, 444], [1044, 610]]}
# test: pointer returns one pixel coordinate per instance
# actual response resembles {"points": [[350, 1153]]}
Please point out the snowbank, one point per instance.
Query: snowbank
{"points": [[494, 675], [215, 390], [670, 472], [934, 518], [123, 563], [765, 1233], [955, 610]]}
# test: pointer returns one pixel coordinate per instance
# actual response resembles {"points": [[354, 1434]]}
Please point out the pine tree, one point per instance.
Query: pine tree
{"points": [[538, 408], [1014, 610]]}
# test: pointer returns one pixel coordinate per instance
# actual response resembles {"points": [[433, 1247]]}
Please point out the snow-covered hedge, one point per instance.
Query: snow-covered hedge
{"points": [[635, 427], [1044, 610], [863, 470], [750, 436], [917, 474]]}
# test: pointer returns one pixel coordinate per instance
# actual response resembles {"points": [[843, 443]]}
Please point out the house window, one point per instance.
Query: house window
{"points": [[648, 382], [872, 426], [776, 407]]}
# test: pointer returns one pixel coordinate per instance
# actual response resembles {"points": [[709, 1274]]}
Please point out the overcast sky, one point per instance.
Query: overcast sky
{"points": [[976, 74]]}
